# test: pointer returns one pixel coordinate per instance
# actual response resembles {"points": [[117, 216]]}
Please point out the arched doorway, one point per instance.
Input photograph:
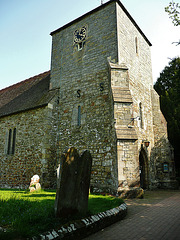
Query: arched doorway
{"points": [[143, 169]]}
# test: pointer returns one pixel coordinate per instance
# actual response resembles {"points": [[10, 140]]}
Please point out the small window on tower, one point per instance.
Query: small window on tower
{"points": [[80, 46], [79, 116], [136, 45], [140, 115]]}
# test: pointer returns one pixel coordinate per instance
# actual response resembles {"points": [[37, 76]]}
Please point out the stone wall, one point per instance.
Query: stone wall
{"points": [[134, 53], [85, 93], [134, 49], [35, 151], [160, 124], [128, 163], [162, 154], [105, 95], [105, 103]]}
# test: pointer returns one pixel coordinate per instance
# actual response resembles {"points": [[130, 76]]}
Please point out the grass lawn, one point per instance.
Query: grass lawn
{"points": [[25, 214]]}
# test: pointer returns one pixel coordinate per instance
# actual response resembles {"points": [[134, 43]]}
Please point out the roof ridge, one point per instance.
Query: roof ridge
{"points": [[9, 93], [28, 79], [27, 97]]}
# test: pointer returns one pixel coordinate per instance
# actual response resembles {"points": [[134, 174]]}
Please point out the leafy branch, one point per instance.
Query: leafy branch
{"points": [[173, 11]]}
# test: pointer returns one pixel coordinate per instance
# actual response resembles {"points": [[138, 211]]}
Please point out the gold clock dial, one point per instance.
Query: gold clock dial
{"points": [[80, 35]]}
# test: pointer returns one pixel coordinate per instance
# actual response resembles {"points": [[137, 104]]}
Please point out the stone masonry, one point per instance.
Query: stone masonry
{"points": [[35, 150], [110, 80], [100, 98], [86, 72]]}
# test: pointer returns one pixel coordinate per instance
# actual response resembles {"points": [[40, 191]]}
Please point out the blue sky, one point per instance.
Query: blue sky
{"points": [[25, 25]]}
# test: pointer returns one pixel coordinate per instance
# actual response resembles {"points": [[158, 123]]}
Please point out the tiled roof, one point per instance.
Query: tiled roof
{"points": [[11, 92], [28, 94]]}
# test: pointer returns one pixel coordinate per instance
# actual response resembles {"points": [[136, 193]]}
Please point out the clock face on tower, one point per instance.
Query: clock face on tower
{"points": [[80, 35]]}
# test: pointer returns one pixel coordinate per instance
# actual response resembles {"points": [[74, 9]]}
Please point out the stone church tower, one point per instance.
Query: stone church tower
{"points": [[99, 97], [101, 65]]}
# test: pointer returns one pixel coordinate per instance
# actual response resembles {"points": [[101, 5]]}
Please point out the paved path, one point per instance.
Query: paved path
{"points": [[155, 217]]}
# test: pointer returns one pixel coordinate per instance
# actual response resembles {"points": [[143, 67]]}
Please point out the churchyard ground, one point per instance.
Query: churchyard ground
{"points": [[24, 214]]}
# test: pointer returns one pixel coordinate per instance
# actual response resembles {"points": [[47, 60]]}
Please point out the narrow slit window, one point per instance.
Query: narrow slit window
{"points": [[9, 142], [79, 116], [136, 45], [140, 115], [14, 141]]}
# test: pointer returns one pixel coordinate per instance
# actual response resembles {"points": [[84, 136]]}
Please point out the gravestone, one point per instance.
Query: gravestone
{"points": [[34, 184], [84, 178], [73, 183]]}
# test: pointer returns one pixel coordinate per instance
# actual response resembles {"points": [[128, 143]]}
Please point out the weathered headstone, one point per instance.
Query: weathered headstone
{"points": [[34, 184], [84, 177], [73, 183]]}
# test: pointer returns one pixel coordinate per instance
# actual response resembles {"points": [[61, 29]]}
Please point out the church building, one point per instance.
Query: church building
{"points": [[98, 96]]}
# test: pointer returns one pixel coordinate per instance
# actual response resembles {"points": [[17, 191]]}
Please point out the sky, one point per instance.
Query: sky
{"points": [[25, 26]]}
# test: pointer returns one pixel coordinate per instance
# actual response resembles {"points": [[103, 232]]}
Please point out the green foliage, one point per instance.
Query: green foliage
{"points": [[168, 87], [24, 214], [173, 11]]}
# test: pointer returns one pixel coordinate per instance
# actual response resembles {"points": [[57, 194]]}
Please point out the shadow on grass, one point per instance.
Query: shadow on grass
{"points": [[22, 216], [26, 218], [12, 190], [39, 195]]}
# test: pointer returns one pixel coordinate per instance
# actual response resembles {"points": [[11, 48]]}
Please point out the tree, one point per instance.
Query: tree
{"points": [[168, 87], [173, 11]]}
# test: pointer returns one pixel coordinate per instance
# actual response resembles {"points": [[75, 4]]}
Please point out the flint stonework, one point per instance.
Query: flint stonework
{"points": [[98, 96]]}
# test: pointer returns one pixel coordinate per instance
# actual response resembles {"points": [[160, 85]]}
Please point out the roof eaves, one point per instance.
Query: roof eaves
{"points": [[24, 110]]}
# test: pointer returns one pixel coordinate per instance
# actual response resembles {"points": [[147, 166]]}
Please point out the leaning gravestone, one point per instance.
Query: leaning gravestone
{"points": [[73, 183]]}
